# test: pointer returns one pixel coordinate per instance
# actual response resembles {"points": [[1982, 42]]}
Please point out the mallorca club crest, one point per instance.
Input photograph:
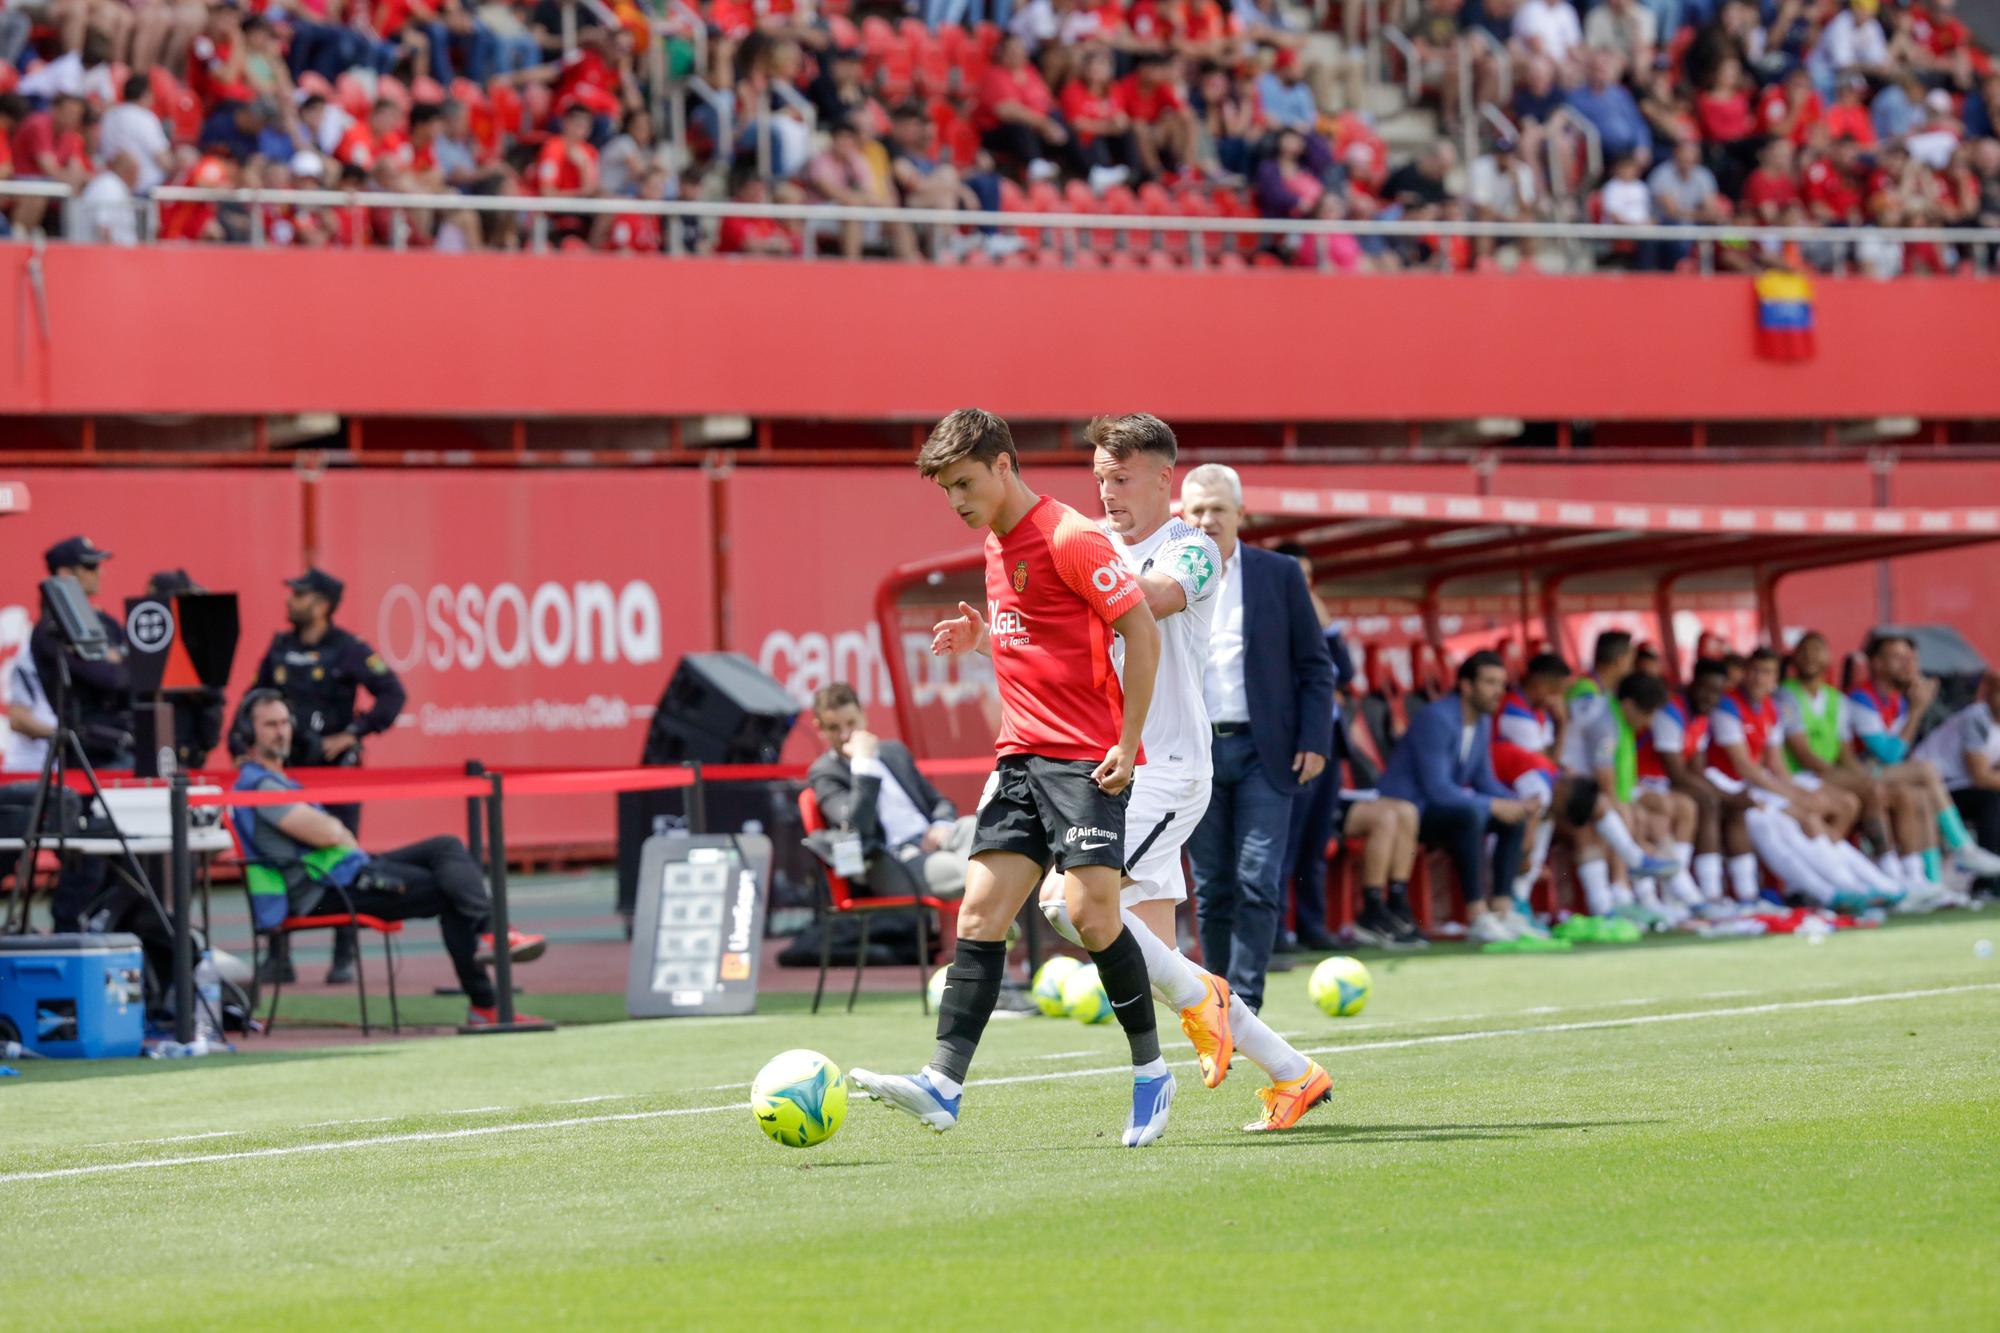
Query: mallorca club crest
{"points": [[1020, 576]]}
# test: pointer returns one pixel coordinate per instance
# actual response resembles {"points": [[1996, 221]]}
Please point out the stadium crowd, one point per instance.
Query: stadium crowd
{"points": [[1717, 111]]}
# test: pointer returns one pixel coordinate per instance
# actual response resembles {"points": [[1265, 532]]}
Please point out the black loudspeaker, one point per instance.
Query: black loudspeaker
{"points": [[717, 709]]}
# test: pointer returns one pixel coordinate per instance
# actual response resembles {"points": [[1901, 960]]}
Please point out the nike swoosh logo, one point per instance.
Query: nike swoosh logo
{"points": [[1134, 1000], [1092, 846]]}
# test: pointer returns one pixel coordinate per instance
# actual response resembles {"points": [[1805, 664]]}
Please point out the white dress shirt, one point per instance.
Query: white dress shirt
{"points": [[901, 820], [1222, 684]]}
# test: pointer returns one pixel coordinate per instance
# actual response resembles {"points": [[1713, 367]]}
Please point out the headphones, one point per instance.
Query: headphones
{"points": [[242, 733]]}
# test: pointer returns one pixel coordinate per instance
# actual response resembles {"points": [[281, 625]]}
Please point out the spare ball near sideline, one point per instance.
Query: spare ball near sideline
{"points": [[1083, 996], [799, 1098], [1340, 986], [1048, 984]]}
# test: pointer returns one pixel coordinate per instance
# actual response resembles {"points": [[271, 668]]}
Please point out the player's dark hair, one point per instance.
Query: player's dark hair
{"points": [[1647, 653], [1544, 666], [1881, 639], [1646, 693], [1133, 433], [1469, 669], [1611, 645], [1710, 666], [1763, 655], [967, 433], [838, 694]]}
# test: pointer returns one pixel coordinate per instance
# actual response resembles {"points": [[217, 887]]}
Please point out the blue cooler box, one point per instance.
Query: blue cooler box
{"points": [[73, 996]]}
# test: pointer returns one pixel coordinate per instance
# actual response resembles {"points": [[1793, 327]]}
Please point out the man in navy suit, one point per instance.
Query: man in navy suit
{"points": [[1269, 691], [1444, 766]]}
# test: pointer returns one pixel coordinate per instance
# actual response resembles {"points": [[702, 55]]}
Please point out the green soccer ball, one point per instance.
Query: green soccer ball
{"points": [[1083, 996], [799, 1098], [936, 987], [1340, 987], [1048, 985]]}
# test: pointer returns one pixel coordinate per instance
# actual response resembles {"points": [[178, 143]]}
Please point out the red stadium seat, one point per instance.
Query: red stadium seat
{"points": [[877, 35], [846, 36], [388, 930], [842, 901]]}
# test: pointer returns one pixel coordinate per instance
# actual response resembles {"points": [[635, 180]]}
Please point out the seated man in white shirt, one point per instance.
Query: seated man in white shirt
{"points": [[913, 839]]}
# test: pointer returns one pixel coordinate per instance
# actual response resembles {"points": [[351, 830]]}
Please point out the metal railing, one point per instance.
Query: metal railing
{"points": [[1060, 230]]}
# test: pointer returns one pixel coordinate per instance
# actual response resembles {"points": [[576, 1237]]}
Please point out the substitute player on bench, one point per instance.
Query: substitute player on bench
{"points": [[1180, 568], [1069, 740]]}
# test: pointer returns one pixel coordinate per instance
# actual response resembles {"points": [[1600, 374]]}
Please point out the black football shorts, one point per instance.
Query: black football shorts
{"points": [[1050, 811]]}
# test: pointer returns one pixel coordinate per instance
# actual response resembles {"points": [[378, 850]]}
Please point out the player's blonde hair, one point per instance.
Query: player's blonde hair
{"points": [[970, 432]]}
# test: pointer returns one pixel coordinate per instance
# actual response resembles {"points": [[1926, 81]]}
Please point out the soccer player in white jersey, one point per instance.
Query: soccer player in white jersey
{"points": [[1179, 568]]}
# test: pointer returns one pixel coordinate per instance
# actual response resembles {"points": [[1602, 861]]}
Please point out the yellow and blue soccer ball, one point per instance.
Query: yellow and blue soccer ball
{"points": [[1048, 984], [1083, 996], [799, 1098], [936, 987], [1340, 987]]}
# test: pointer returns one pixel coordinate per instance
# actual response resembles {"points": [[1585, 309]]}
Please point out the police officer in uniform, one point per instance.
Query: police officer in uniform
{"points": [[318, 667]]}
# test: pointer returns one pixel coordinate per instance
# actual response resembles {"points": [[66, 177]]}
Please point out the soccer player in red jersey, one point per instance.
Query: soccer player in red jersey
{"points": [[1069, 740]]}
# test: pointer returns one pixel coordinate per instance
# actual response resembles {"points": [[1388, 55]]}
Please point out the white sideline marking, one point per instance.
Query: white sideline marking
{"points": [[1351, 1048], [600, 1097]]}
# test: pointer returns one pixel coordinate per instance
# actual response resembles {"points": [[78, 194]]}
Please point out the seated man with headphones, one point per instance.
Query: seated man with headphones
{"points": [[325, 872]]}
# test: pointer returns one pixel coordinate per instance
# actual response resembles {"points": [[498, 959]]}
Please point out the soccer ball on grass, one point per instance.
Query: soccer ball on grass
{"points": [[1340, 987], [1083, 996], [799, 1098], [1048, 984]]}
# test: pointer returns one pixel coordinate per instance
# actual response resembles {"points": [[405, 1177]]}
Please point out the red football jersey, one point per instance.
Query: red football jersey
{"points": [[1053, 587]]}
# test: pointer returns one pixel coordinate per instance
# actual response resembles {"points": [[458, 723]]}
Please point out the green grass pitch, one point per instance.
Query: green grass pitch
{"points": [[1742, 1135]]}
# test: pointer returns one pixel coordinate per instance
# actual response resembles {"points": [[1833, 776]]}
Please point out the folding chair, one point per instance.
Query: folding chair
{"points": [[841, 901]]}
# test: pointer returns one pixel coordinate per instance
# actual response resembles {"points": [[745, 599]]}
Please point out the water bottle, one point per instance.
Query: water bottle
{"points": [[208, 1001]]}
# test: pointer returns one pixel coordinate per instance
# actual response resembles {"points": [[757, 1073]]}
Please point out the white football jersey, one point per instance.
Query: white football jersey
{"points": [[1177, 732]]}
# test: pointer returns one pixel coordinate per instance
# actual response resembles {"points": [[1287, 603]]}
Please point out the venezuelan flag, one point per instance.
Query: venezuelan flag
{"points": [[1784, 317]]}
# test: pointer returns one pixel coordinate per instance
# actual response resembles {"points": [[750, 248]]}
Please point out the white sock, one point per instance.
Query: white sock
{"points": [[1057, 912], [1685, 891], [1622, 896], [1261, 1046], [1538, 856], [1176, 982], [1154, 1068], [1684, 853], [1864, 870], [1743, 877], [947, 1087], [1595, 876], [1619, 838], [1835, 867], [1913, 869], [1648, 894], [1891, 865], [1708, 874], [1781, 845]]}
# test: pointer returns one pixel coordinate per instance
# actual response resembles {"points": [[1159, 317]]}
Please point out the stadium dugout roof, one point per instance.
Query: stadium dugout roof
{"points": [[1523, 557], [1398, 544]]}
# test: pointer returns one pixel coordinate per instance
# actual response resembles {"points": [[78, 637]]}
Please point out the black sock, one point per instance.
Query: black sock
{"points": [[1371, 900], [971, 989], [1121, 966]]}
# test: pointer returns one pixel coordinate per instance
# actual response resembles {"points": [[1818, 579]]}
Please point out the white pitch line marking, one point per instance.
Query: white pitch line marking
{"points": [[1352, 1048]]}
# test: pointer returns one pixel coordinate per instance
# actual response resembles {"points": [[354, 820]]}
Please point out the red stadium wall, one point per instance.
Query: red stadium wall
{"points": [[602, 336], [778, 563]]}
